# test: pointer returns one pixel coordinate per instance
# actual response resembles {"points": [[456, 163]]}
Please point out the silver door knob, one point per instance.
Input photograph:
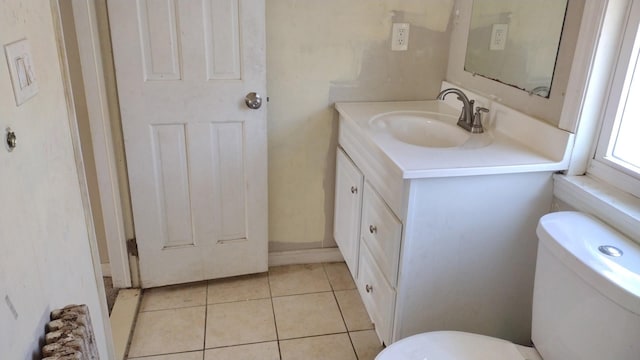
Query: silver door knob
{"points": [[253, 100]]}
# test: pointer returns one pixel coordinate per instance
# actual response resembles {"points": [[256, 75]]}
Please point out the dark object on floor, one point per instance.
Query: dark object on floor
{"points": [[111, 292]]}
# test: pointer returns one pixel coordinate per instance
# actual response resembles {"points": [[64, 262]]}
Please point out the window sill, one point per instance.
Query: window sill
{"points": [[619, 209]]}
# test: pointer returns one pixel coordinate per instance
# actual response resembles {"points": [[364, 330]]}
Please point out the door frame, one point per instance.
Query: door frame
{"points": [[82, 178], [86, 24]]}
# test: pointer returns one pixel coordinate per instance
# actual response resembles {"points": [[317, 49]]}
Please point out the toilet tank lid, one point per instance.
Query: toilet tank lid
{"points": [[580, 241]]}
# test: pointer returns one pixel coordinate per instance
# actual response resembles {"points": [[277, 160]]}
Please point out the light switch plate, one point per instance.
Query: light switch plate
{"points": [[23, 74]]}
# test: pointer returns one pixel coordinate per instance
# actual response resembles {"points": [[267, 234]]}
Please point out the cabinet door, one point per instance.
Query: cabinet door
{"points": [[348, 206]]}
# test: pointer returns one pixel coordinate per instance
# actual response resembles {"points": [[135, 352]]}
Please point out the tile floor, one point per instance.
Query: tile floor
{"points": [[307, 312]]}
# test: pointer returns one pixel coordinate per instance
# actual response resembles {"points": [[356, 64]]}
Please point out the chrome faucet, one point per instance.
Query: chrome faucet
{"points": [[468, 120]]}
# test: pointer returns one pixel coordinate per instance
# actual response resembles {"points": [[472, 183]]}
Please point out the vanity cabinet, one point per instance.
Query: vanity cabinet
{"points": [[437, 252], [366, 232]]}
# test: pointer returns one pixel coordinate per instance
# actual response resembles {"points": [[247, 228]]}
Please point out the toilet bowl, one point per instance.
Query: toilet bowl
{"points": [[586, 302], [456, 345]]}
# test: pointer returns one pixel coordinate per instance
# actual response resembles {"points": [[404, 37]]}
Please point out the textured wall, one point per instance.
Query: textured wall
{"points": [[320, 52], [45, 257]]}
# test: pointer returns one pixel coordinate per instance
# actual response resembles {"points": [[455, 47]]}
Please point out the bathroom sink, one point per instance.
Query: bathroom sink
{"points": [[422, 128]]}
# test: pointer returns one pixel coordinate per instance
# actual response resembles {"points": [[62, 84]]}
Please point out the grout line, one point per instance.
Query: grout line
{"points": [[352, 345], [324, 268], [206, 309], [237, 301], [340, 309], [301, 294], [243, 344], [345, 325], [273, 310], [314, 336], [164, 354], [172, 308]]}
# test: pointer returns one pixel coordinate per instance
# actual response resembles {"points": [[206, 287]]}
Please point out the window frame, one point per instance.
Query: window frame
{"points": [[601, 165]]}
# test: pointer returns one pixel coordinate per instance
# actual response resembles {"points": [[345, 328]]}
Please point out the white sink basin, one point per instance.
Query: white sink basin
{"points": [[422, 128]]}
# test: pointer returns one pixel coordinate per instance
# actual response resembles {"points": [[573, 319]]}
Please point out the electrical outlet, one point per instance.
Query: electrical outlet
{"points": [[498, 36], [400, 37]]}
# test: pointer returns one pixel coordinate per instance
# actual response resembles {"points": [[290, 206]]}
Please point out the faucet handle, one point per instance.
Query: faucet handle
{"points": [[476, 126]]}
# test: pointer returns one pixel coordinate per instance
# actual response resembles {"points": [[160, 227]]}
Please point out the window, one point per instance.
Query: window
{"points": [[617, 154]]}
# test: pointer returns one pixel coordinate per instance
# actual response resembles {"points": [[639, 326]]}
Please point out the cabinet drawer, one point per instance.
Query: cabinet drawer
{"points": [[377, 295], [381, 231]]}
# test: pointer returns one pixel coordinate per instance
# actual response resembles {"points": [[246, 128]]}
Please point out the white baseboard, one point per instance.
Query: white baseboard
{"points": [[308, 256], [106, 269]]}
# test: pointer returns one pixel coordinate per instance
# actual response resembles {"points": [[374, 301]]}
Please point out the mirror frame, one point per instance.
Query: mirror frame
{"points": [[547, 109]]}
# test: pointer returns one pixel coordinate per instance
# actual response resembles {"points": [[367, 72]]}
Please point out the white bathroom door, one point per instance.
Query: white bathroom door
{"points": [[196, 153]]}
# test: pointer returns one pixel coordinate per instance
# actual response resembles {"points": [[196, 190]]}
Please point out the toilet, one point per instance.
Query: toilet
{"points": [[586, 302]]}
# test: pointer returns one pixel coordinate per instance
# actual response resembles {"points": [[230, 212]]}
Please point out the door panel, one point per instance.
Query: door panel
{"points": [[221, 28], [172, 184], [158, 26], [196, 155]]}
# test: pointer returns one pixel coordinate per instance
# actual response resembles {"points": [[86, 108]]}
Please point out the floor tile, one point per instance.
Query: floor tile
{"points": [[328, 347], [298, 279], [172, 297], [240, 323], [307, 315], [196, 355], [239, 288], [168, 331], [353, 310], [339, 276], [260, 351], [366, 344]]}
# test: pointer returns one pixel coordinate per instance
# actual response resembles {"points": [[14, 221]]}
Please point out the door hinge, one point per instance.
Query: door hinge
{"points": [[132, 247]]}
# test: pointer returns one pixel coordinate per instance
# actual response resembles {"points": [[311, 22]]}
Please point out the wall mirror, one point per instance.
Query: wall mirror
{"points": [[516, 42]]}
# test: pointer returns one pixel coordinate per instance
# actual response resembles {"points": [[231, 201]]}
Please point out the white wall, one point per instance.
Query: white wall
{"points": [[320, 52], [45, 257]]}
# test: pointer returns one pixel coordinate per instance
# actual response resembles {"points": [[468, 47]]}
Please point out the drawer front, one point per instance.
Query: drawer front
{"points": [[377, 295], [382, 232]]}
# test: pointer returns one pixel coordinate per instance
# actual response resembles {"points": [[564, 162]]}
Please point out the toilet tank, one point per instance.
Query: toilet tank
{"points": [[586, 304]]}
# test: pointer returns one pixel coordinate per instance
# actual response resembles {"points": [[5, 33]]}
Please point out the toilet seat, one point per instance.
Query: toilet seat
{"points": [[455, 345]]}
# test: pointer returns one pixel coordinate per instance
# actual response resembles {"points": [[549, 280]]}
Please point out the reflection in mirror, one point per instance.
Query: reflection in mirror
{"points": [[516, 42]]}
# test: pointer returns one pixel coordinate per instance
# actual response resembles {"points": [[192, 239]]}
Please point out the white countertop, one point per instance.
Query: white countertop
{"points": [[520, 143]]}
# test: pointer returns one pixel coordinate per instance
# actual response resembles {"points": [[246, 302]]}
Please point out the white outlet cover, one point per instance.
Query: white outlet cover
{"points": [[400, 36], [499, 34], [23, 74]]}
